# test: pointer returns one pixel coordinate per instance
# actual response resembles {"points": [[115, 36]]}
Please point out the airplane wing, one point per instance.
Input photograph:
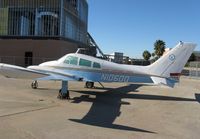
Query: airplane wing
{"points": [[11, 71]]}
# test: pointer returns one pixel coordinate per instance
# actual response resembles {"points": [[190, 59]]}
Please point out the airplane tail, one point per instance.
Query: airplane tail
{"points": [[167, 69]]}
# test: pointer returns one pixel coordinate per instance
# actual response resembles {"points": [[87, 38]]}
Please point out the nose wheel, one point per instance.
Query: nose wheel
{"points": [[34, 85], [64, 92], [89, 85], [63, 95]]}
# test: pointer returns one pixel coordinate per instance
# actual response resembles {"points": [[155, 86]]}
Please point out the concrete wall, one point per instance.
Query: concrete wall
{"points": [[13, 51]]}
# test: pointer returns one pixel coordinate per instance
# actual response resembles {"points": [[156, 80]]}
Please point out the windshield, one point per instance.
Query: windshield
{"points": [[71, 60]]}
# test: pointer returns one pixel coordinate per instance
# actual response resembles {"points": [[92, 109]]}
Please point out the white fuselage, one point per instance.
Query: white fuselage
{"points": [[106, 72]]}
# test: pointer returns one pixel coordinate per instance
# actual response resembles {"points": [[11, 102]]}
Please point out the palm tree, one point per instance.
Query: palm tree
{"points": [[159, 48], [153, 54], [146, 55]]}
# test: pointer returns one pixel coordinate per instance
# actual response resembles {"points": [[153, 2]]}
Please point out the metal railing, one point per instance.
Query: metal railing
{"points": [[194, 70]]}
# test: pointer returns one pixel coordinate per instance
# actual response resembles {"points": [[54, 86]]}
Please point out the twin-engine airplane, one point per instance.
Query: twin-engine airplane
{"points": [[79, 67]]}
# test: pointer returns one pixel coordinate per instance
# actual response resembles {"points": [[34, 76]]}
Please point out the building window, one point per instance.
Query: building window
{"points": [[96, 65], [71, 60], [3, 21], [84, 62], [44, 18]]}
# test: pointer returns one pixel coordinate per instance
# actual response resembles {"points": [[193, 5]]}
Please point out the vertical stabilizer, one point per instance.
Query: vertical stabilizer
{"points": [[171, 64]]}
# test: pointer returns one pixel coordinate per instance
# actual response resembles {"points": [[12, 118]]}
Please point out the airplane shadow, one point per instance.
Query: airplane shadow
{"points": [[106, 106]]}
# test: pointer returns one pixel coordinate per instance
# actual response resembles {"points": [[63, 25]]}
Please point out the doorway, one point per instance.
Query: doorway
{"points": [[28, 58]]}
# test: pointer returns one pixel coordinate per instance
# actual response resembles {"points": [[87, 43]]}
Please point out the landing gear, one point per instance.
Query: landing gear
{"points": [[34, 84], [64, 92], [89, 85], [63, 95]]}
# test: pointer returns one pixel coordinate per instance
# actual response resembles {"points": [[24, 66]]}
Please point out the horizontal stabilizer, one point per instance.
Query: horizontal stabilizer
{"points": [[164, 81]]}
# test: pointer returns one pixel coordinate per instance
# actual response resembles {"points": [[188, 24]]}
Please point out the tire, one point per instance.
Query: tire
{"points": [[89, 84], [63, 96], [34, 85]]}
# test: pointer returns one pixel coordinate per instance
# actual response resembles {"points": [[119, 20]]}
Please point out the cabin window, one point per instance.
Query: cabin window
{"points": [[96, 65], [71, 60], [84, 62]]}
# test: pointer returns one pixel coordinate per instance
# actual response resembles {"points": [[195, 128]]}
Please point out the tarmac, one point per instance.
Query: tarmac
{"points": [[117, 111]]}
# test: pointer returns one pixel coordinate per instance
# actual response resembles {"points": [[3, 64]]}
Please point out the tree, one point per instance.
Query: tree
{"points": [[146, 55], [153, 54], [159, 48]]}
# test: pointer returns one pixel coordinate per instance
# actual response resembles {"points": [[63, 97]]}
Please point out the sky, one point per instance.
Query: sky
{"points": [[132, 26]]}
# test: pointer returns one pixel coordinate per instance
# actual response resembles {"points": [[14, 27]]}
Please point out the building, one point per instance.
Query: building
{"points": [[34, 31], [197, 55], [116, 57]]}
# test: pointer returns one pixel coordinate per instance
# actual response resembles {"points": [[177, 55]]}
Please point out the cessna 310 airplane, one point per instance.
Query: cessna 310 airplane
{"points": [[78, 67]]}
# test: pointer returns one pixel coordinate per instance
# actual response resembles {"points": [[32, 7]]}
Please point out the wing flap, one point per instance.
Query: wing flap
{"points": [[55, 77]]}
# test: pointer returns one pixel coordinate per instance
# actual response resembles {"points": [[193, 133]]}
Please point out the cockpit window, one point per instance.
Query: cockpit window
{"points": [[71, 60], [96, 65], [84, 62]]}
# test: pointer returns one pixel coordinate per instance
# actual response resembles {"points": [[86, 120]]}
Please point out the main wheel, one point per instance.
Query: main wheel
{"points": [[34, 84], [89, 84]]}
